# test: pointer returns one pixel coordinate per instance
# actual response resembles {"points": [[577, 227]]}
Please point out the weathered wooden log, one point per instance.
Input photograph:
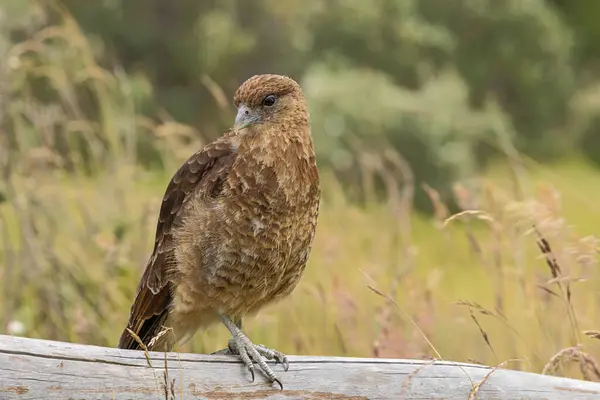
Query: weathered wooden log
{"points": [[43, 369]]}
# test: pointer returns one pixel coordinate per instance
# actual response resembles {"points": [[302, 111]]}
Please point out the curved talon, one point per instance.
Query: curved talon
{"points": [[279, 382], [283, 360], [285, 363], [251, 369]]}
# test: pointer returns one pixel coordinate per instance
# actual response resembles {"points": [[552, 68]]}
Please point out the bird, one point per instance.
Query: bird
{"points": [[235, 228]]}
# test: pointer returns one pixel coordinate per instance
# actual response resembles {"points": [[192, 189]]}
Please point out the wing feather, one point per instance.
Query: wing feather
{"points": [[199, 175]]}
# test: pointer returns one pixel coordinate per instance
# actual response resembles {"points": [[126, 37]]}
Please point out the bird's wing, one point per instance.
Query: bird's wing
{"points": [[202, 174]]}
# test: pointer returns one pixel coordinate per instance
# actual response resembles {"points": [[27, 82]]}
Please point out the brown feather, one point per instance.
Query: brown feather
{"points": [[154, 297], [237, 221]]}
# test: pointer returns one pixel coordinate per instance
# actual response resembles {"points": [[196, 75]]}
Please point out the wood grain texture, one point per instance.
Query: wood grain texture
{"points": [[42, 369]]}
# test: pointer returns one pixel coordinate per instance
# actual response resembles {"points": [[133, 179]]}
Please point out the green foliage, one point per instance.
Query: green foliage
{"points": [[186, 48], [445, 85], [582, 18], [519, 53], [392, 38], [59, 101], [590, 141], [432, 128], [405, 92], [586, 121]]}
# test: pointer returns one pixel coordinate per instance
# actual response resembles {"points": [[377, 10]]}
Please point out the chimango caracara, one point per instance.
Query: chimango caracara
{"points": [[235, 228]]}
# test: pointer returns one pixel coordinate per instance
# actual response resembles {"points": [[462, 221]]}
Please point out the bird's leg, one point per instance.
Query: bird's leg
{"points": [[231, 347], [251, 353]]}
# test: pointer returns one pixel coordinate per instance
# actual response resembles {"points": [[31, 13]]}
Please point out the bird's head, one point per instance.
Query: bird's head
{"points": [[269, 99]]}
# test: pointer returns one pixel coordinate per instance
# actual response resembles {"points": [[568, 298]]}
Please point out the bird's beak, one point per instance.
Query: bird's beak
{"points": [[245, 116]]}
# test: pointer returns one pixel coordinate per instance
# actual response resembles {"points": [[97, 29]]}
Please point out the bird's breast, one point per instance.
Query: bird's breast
{"points": [[267, 223], [249, 246]]}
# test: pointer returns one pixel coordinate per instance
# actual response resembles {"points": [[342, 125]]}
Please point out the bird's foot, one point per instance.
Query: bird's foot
{"points": [[269, 354], [250, 354]]}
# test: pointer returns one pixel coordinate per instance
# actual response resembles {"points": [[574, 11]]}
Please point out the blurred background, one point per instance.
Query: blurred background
{"points": [[445, 130]]}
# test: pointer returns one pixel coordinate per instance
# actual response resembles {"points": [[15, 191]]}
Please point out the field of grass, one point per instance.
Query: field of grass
{"points": [[381, 281], [73, 250]]}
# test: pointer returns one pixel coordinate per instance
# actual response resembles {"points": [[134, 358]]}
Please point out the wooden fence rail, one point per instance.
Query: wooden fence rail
{"points": [[43, 369]]}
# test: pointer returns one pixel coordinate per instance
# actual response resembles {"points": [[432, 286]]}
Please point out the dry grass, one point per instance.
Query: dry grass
{"points": [[588, 366], [73, 244]]}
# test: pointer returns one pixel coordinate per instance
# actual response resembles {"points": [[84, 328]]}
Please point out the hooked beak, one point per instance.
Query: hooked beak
{"points": [[245, 116]]}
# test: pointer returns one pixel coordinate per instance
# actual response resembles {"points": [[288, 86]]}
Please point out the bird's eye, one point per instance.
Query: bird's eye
{"points": [[269, 100]]}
